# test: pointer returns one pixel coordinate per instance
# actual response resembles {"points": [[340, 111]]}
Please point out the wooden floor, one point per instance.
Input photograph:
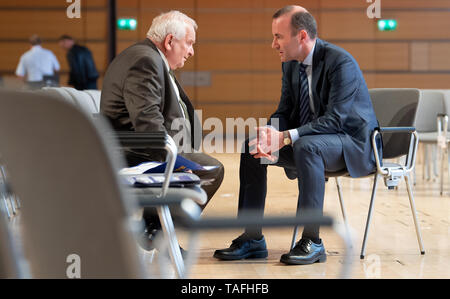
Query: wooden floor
{"points": [[392, 248]]}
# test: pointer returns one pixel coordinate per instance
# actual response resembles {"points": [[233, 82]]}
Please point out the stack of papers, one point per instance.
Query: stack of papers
{"points": [[151, 174], [181, 165]]}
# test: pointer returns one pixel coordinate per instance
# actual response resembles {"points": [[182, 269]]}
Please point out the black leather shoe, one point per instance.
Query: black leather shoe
{"points": [[243, 248], [305, 252], [147, 238]]}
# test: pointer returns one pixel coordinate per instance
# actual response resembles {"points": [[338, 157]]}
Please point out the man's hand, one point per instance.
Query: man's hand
{"points": [[268, 140]]}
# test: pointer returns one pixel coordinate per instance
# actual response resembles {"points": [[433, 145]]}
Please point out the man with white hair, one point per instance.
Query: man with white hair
{"points": [[140, 93]]}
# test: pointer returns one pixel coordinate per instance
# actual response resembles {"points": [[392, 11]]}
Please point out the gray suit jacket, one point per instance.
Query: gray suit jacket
{"points": [[137, 95], [341, 101]]}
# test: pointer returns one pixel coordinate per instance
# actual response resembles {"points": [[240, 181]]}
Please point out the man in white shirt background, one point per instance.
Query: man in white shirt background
{"points": [[38, 66]]}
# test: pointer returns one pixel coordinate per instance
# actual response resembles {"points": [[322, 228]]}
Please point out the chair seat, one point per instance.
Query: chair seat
{"points": [[337, 174]]}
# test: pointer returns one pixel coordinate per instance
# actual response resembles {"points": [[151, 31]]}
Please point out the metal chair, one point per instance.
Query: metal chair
{"points": [[430, 105], [395, 110], [443, 139], [87, 102], [72, 203]]}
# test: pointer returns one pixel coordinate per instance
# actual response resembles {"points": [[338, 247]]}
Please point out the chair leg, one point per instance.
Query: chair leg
{"points": [[17, 201], [425, 172], [369, 216], [6, 207], [343, 210], [441, 179], [341, 200], [12, 203], [447, 162], [294, 236], [174, 247], [434, 160], [5, 194], [414, 213]]}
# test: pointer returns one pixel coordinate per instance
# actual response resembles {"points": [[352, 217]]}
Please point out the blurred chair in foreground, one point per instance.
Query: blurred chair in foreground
{"points": [[72, 205], [76, 218]]}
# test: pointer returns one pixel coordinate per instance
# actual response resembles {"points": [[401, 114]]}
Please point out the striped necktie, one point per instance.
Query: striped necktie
{"points": [[305, 109], [180, 101]]}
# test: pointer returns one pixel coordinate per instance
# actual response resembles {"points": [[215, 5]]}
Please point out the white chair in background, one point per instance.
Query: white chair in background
{"points": [[430, 106]]}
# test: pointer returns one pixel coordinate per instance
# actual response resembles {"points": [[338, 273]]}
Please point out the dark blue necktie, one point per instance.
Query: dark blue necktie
{"points": [[305, 109]]}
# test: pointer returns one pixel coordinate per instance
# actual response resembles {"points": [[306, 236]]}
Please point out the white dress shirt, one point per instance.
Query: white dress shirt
{"points": [[36, 63], [309, 66], [174, 85]]}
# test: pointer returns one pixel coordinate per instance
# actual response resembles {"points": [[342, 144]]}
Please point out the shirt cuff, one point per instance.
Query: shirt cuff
{"points": [[294, 135]]}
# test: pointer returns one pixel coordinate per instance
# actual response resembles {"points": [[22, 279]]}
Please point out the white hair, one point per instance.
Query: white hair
{"points": [[172, 22]]}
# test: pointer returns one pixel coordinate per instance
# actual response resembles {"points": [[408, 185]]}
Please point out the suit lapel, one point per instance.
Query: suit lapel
{"points": [[316, 74]]}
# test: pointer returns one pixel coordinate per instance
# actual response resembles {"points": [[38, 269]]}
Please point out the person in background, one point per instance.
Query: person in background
{"points": [[83, 73], [38, 66]]}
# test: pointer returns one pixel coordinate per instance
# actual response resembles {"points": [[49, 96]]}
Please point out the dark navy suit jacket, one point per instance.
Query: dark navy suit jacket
{"points": [[341, 102]]}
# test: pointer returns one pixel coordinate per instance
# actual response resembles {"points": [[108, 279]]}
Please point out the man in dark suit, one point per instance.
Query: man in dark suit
{"points": [[323, 123], [140, 93], [83, 73]]}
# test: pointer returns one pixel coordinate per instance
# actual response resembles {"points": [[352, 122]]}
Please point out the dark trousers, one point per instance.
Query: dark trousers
{"points": [[150, 215], [307, 160]]}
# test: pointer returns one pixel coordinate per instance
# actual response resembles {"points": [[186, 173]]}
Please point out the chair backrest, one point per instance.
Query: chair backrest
{"points": [[446, 93], [395, 107], [430, 105], [95, 95], [80, 98], [83, 99], [74, 213], [58, 92]]}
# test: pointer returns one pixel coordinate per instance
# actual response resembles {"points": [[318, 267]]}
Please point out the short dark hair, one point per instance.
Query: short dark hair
{"points": [[65, 36], [35, 40], [301, 20]]}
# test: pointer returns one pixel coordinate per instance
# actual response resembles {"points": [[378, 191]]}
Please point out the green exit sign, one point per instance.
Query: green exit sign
{"points": [[126, 24], [387, 25]]}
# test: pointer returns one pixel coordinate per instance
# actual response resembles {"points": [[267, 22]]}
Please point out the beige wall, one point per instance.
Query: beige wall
{"points": [[234, 38]]}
